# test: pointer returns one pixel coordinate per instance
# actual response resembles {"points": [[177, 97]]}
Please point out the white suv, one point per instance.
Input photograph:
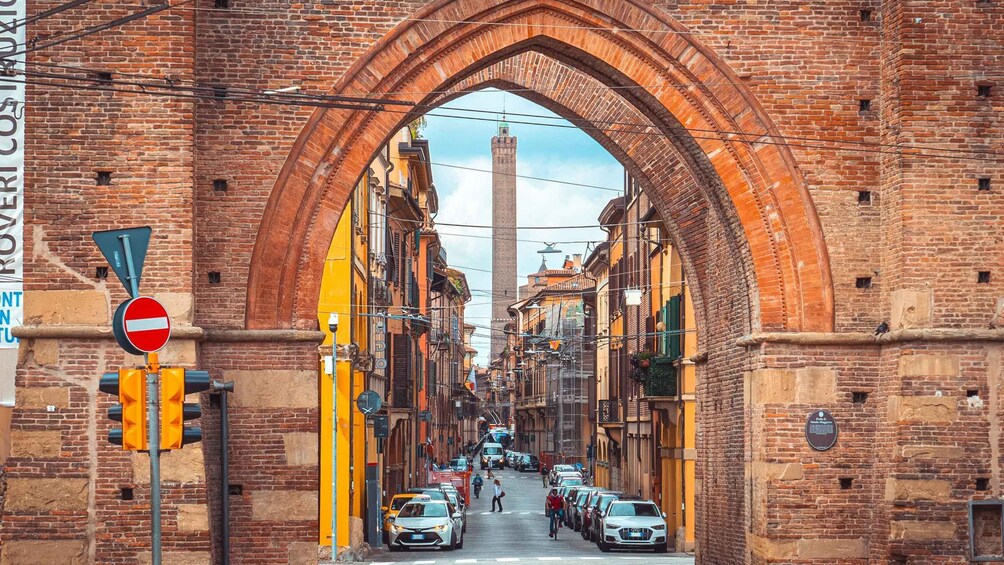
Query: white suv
{"points": [[633, 523], [426, 523]]}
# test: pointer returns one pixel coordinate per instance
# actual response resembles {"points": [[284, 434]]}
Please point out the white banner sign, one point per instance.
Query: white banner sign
{"points": [[12, 45]]}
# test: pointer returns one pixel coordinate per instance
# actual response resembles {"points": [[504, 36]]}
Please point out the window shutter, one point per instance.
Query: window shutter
{"points": [[673, 324]]}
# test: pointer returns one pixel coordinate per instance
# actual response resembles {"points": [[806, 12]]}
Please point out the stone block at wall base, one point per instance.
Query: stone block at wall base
{"points": [[63, 552]]}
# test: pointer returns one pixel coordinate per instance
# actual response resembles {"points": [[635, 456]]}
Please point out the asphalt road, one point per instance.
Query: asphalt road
{"points": [[519, 534]]}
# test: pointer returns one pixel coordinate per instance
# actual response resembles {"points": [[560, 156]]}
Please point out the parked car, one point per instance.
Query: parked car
{"points": [[390, 511], [510, 458], [587, 512], [427, 523], [570, 496], [553, 476], [578, 506], [454, 498], [492, 456], [527, 462], [570, 480], [597, 513], [633, 524], [459, 464], [432, 492]]}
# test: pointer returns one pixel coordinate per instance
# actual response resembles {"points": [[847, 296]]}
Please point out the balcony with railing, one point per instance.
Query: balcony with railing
{"points": [[662, 380]]}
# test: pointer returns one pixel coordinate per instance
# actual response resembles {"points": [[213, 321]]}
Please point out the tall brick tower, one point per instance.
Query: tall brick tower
{"points": [[503, 234]]}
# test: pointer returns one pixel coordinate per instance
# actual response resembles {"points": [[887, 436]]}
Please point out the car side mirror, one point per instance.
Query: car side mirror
{"points": [[383, 508], [457, 515], [663, 514]]}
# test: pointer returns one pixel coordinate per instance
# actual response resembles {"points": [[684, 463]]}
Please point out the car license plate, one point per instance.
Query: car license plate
{"points": [[419, 536]]}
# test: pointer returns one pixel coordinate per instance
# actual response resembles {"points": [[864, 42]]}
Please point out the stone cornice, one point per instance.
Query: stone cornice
{"points": [[862, 338], [79, 331]]}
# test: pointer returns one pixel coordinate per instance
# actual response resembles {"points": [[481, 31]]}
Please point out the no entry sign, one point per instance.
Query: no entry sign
{"points": [[142, 325]]}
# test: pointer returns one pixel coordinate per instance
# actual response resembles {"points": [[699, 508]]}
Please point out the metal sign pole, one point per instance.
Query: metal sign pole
{"points": [[152, 416]]}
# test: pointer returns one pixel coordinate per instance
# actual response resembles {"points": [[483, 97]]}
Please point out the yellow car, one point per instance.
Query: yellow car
{"points": [[390, 513]]}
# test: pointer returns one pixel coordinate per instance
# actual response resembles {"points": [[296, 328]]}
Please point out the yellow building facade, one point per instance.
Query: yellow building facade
{"points": [[344, 292]]}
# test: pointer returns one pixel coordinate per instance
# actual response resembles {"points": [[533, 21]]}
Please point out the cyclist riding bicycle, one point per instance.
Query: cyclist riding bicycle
{"points": [[555, 510]]}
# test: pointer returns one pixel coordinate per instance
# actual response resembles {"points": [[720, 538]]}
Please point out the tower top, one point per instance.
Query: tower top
{"points": [[503, 128]]}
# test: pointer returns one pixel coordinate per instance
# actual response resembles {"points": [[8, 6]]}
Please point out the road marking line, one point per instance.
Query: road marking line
{"points": [[548, 558], [591, 558], [524, 513], [505, 559], [483, 513], [507, 512], [466, 561], [423, 562]]}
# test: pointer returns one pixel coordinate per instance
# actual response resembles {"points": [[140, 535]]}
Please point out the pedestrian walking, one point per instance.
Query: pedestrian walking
{"points": [[499, 493], [543, 475]]}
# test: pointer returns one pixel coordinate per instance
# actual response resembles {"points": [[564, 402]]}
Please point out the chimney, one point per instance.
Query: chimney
{"points": [[568, 263], [577, 262]]}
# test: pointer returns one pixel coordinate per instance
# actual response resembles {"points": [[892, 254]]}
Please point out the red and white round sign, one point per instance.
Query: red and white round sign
{"points": [[145, 324]]}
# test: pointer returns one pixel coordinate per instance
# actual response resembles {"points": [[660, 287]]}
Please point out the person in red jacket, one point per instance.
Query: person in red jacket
{"points": [[555, 510]]}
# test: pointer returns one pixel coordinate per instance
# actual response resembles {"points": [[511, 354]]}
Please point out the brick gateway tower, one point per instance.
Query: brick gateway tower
{"points": [[795, 249], [504, 242]]}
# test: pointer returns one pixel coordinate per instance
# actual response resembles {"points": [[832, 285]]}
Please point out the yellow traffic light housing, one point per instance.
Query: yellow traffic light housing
{"points": [[175, 383], [132, 395], [172, 407]]}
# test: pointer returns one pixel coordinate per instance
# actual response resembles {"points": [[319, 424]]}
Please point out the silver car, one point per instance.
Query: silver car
{"points": [[427, 523], [633, 524]]}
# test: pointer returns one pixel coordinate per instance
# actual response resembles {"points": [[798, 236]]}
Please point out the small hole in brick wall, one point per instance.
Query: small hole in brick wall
{"points": [[983, 277], [236, 490], [983, 90], [982, 483], [983, 183], [864, 105], [864, 197], [101, 273], [972, 393], [125, 493], [214, 277], [859, 397], [846, 482], [104, 178], [104, 77], [222, 4], [220, 91], [220, 185], [214, 401], [863, 282], [866, 15]]}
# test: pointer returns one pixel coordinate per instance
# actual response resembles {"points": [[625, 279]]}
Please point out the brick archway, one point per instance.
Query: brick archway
{"points": [[769, 217]]}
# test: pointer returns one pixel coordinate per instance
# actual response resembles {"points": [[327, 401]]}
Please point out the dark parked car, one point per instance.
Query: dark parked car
{"points": [[587, 511], [528, 463], [595, 533], [578, 506]]}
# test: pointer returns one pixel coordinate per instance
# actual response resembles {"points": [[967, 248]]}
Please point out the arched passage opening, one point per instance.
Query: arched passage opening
{"points": [[739, 213]]}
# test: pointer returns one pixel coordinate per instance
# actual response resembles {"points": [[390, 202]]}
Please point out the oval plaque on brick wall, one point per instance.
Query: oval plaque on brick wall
{"points": [[821, 430]]}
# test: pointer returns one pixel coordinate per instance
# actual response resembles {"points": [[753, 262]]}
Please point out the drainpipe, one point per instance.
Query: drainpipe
{"points": [[223, 388]]}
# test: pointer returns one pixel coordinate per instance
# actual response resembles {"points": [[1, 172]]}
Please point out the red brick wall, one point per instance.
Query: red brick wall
{"points": [[752, 250]]}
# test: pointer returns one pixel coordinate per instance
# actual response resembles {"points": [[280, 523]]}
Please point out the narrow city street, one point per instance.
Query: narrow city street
{"points": [[519, 534]]}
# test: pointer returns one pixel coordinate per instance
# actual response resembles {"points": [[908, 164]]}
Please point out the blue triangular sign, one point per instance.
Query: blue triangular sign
{"points": [[112, 244]]}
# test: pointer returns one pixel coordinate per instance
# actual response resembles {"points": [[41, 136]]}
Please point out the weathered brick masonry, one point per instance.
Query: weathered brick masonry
{"points": [[775, 237]]}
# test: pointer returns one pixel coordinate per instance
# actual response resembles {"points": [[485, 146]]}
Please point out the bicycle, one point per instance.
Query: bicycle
{"points": [[555, 525]]}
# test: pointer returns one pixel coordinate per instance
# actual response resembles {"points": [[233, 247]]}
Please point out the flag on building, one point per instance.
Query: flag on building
{"points": [[472, 381]]}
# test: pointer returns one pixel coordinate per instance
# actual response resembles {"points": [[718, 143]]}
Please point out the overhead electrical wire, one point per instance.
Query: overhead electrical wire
{"points": [[220, 93]]}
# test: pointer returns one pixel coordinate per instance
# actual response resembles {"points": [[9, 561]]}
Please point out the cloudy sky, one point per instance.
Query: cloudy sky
{"points": [[560, 153]]}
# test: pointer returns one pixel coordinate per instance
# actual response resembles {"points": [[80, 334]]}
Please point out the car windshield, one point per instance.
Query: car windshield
{"points": [[493, 450], [582, 497], [563, 468], [605, 501], [572, 482], [459, 462], [435, 494], [397, 503], [635, 509], [423, 510], [452, 496]]}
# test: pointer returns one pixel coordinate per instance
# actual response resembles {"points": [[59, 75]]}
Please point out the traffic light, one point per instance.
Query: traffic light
{"points": [[130, 386], [175, 384]]}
